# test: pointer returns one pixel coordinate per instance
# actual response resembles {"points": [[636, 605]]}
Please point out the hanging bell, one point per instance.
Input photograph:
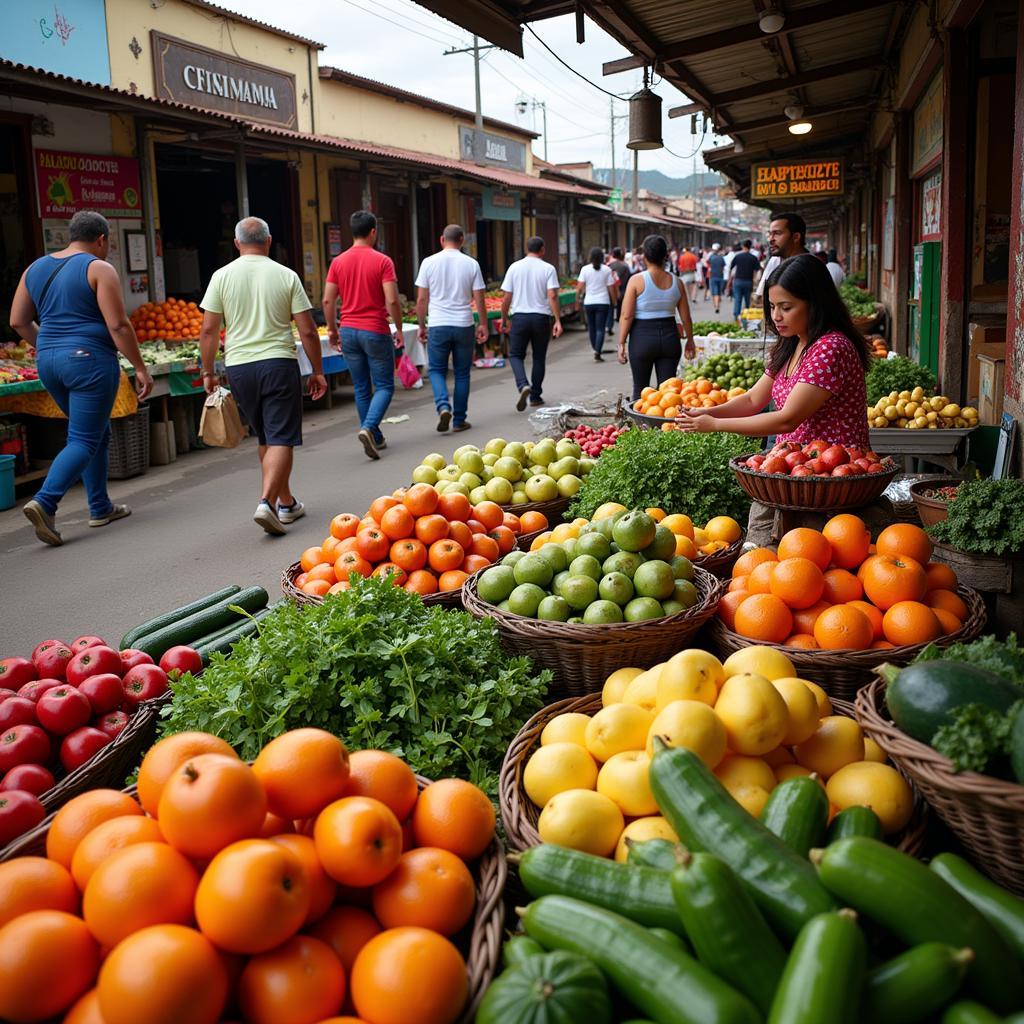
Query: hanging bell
{"points": [[645, 120]]}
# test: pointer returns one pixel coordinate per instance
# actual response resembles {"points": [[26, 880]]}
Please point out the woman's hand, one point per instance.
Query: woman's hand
{"points": [[696, 423], [690, 350], [622, 355]]}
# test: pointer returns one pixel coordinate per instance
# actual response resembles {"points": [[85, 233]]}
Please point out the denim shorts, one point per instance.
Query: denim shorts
{"points": [[269, 393], [718, 286]]}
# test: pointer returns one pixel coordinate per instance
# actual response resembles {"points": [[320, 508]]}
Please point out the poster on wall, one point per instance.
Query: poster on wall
{"points": [[69, 182], [889, 235], [927, 143], [931, 207], [55, 236]]}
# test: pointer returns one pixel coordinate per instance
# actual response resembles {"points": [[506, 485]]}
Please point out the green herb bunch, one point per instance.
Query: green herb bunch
{"points": [[984, 518], [1002, 657], [896, 374], [979, 738], [378, 668]]}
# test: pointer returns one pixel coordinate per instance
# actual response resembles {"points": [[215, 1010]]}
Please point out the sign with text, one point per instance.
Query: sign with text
{"points": [[498, 151], [927, 138], [796, 179], [69, 182], [498, 205]]}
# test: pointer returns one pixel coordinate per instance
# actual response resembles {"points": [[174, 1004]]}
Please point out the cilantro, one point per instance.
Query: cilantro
{"points": [[1003, 658], [984, 518], [978, 739]]}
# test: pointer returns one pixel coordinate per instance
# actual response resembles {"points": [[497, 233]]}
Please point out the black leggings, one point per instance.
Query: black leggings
{"points": [[653, 345]]}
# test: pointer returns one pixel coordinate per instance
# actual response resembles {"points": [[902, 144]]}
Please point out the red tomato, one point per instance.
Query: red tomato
{"points": [[34, 690], [179, 660], [19, 811], [17, 711], [794, 459], [113, 724], [144, 682], [23, 744], [775, 464], [131, 657], [32, 778], [834, 456], [85, 642], [16, 672], [5, 693], [45, 646], [79, 746], [63, 709], [93, 661], [52, 662], [104, 691]]}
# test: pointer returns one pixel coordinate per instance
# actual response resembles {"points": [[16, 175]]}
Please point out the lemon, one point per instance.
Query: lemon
{"points": [[680, 525], [623, 779], [563, 532], [793, 771], [569, 728], [556, 768], [780, 755], [689, 675], [751, 798], [700, 537], [736, 771], [873, 752], [581, 819], [753, 713], [824, 704], [643, 690], [869, 784], [839, 741], [693, 725], [609, 508], [639, 831], [759, 661], [616, 728], [802, 707], [615, 685], [723, 528]]}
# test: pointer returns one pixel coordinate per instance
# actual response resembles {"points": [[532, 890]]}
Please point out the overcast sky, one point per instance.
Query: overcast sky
{"points": [[401, 43]]}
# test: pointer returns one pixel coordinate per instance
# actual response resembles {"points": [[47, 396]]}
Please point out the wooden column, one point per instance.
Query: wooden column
{"points": [[903, 240], [1014, 403]]}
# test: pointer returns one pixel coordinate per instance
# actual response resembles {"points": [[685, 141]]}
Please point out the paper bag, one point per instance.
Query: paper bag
{"points": [[221, 426]]}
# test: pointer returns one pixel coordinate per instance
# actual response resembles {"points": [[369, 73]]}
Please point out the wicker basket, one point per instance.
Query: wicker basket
{"points": [[519, 814], [986, 814], [810, 493], [552, 509], [721, 562], [842, 673], [582, 657], [447, 599]]}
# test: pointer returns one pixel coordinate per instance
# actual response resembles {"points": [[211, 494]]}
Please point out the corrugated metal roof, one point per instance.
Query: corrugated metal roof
{"points": [[235, 16]]}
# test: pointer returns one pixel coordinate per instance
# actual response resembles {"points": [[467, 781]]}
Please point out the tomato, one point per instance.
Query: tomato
{"points": [[45, 646], [794, 459], [80, 745], [23, 744], [104, 692], [834, 456], [131, 657], [63, 709], [144, 682], [34, 690], [52, 663], [113, 724], [93, 661], [17, 711], [19, 811], [179, 660], [5, 693], [32, 778], [85, 642], [16, 672]]}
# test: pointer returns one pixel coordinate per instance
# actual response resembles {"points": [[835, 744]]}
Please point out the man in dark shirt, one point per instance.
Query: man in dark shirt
{"points": [[741, 278], [621, 270], [716, 276]]}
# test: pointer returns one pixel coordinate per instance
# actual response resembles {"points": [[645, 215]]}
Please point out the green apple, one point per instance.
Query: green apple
{"points": [[490, 458], [496, 584], [606, 525], [594, 544], [586, 565], [478, 494], [526, 599], [529, 446], [499, 490], [626, 562], [442, 485], [514, 450], [566, 447], [634, 531], [519, 498], [654, 579], [554, 609], [462, 449], [544, 453], [513, 556], [495, 446], [563, 467], [457, 488], [555, 556], [470, 462], [534, 569], [508, 468], [570, 547], [579, 591], [569, 485], [641, 608], [663, 546], [541, 488], [559, 579], [487, 474], [617, 587], [435, 461], [424, 475], [470, 480], [602, 613]]}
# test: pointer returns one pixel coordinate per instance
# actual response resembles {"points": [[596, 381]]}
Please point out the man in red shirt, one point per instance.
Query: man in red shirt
{"points": [[688, 272], [366, 283]]}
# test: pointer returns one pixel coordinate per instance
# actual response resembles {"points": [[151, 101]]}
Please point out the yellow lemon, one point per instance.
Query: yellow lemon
{"points": [[689, 675], [556, 768], [616, 728], [751, 798], [581, 820], [609, 508], [563, 532], [570, 728], [793, 771], [615, 685], [690, 724], [723, 528], [540, 540], [700, 537], [736, 771], [579, 521], [839, 741], [869, 784], [657, 514], [680, 525], [759, 661], [873, 752], [779, 756], [639, 831], [802, 708], [753, 713], [623, 779], [824, 704], [643, 690]]}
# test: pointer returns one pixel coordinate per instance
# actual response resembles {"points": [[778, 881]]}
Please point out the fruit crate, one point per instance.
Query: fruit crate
{"points": [[441, 599]]}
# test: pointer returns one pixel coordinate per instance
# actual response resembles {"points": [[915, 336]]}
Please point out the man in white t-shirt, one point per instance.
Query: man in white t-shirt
{"points": [[448, 285], [531, 294]]}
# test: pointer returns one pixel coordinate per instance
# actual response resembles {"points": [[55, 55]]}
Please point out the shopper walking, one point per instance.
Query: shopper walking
{"points": [[716, 275], [367, 284], [741, 279], [835, 268], [257, 299], [598, 286], [786, 234], [688, 272], [70, 306], [623, 274], [448, 285], [649, 323], [531, 299]]}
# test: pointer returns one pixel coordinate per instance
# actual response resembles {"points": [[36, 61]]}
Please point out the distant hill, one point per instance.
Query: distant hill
{"points": [[658, 182]]}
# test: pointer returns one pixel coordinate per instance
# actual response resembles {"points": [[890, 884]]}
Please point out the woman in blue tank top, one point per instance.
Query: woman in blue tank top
{"points": [[69, 305], [648, 320]]}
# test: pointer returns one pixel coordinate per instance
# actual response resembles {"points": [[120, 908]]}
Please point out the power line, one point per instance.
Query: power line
{"points": [[417, 31], [594, 85]]}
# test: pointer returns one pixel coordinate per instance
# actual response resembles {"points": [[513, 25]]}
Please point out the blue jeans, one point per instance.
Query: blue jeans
{"points": [[598, 320], [529, 330], [370, 358], [458, 343], [83, 382], [741, 292]]}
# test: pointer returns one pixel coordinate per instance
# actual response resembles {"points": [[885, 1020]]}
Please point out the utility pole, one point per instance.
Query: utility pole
{"points": [[636, 181], [478, 130], [525, 103], [611, 112]]}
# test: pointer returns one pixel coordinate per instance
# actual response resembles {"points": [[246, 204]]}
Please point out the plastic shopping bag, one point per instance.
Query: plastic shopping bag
{"points": [[221, 426], [408, 374]]}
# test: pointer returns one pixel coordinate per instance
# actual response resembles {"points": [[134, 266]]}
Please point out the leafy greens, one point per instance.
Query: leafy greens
{"points": [[896, 374], [978, 739], [1002, 657], [985, 518]]}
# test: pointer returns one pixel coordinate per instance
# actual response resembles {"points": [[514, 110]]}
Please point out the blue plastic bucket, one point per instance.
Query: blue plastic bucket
{"points": [[6, 481]]}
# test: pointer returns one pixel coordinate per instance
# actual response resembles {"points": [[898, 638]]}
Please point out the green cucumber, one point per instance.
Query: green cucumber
{"points": [[642, 894], [675, 941], [968, 1012], [726, 928], [855, 821], [654, 853], [224, 640], [519, 948], [1002, 910], [705, 817], [145, 628], [1017, 747], [663, 983], [916, 984], [824, 974], [917, 906], [797, 812]]}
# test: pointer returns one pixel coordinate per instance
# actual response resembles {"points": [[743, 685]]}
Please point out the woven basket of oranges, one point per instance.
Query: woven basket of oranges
{"points": [[668, 399]]}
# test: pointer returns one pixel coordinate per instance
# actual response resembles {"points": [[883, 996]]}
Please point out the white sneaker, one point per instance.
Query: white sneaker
{"points": [[289, 513], [266, 517]]}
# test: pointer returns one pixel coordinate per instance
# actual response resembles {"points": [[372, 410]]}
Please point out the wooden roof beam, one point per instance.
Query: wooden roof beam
{"points": [[780, 120]]}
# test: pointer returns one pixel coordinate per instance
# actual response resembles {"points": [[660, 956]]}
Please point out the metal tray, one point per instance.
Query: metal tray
{"points": [[900, 441]]}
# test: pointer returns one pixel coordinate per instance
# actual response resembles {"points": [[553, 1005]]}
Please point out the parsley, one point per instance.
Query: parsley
{"points": [[985, 518], [978, 739], [1002, 658]]}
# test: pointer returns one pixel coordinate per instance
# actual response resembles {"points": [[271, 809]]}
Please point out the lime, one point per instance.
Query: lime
{"points": [[495, 584], [654, 579], [526, 599], [601, 613], [512, 557], [685, 593], [553, 609], [671, 607], [634, 531], [586, 565], [595, 544], [560, 578], [534, 569], [626, 562], [555, 556], [682, 568], [617, 587], [663, 546], [641, 608], [579, 591], [569, 546]]}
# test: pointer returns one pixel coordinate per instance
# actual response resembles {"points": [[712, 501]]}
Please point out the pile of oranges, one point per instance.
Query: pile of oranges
{"points": [[425, 541], [172, 320], [304, 886], [835, 590], [675, 394]]}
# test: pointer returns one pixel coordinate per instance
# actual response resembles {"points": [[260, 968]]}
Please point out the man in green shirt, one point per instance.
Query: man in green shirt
{"points": [[257, 299]]}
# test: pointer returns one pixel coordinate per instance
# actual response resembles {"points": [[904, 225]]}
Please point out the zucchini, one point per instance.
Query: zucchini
{"points": [[654, 853], [675, 941], [824, 974], [519, 948], [967, 1012], [916, 984], [145, 628], [663, 983], [797, 812], [224, 640], [917, 906], [855, 821], [642, 894], [1002, 910], [726, 928], [705, 817], [1017, 747]]}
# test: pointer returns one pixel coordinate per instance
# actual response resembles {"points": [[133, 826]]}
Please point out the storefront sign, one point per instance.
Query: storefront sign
{"points": [[69, 182], [927, 144], [931, 207], [797, 179], [498, 205], [192, 74], [498, 150]]}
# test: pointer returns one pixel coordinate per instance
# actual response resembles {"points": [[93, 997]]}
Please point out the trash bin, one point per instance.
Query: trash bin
{"points": [[7, 481]]}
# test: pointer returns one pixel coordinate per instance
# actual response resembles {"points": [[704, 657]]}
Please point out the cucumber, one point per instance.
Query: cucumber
{"points": [[797, 812], [675, 941], [654, 853], [726, 928], [225, 639], [1002, 910], [642, 894], [967, 1012], [917, 906], [519, 948], [145, 628], [916, 984], [824, 974], [855, 821], [705, 817], [1017, 747], [663, 983]]}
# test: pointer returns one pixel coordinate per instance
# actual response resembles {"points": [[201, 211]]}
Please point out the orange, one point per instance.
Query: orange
{"points": [[905, 540], [910, 622], [47, 960], [330, 549], [531, 522], [302, 771], [409, 976], [948, 602], [685, 547], [804, 618], [888, 579], [454, 815], [843, 627], [486, 547], [323, 573], [80, 815], [841, 587], [86, 1010], [454, 507], [489, 513], [431, 528], [344, 526], [746, 563], [358, 840], [301, 980], [311, 557], [739, 583], [461, 533], [164, 757], [108, 838], [421, 500], [849, 539], [801, 640], [760, 579], [882, 645], [275, 825], [322, 888], [806, 543], [797, 581], [764, 617], [446, 554], [728, 605], [430, 888], [947, 620], [409, 554], [346, 930], [397, 523], [474, 563], [164, 975], [209, 802], [316, 588], [35, 883], [873, 614], [504, 538], [384, 777], [349, 562], [452, 580], [338, 587], [422, 582], [379, 506], [940, 577]]}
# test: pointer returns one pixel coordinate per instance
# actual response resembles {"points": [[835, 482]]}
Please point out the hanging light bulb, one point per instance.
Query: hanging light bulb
{"points": [[800, 127], [771, 20]]}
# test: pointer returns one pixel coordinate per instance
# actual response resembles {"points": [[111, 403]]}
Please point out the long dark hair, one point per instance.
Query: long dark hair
{"points": [[805, 277], [655, 250], [596, 257]]}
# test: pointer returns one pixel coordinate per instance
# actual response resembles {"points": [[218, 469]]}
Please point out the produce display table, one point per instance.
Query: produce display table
{"points": [[946, 447]]}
